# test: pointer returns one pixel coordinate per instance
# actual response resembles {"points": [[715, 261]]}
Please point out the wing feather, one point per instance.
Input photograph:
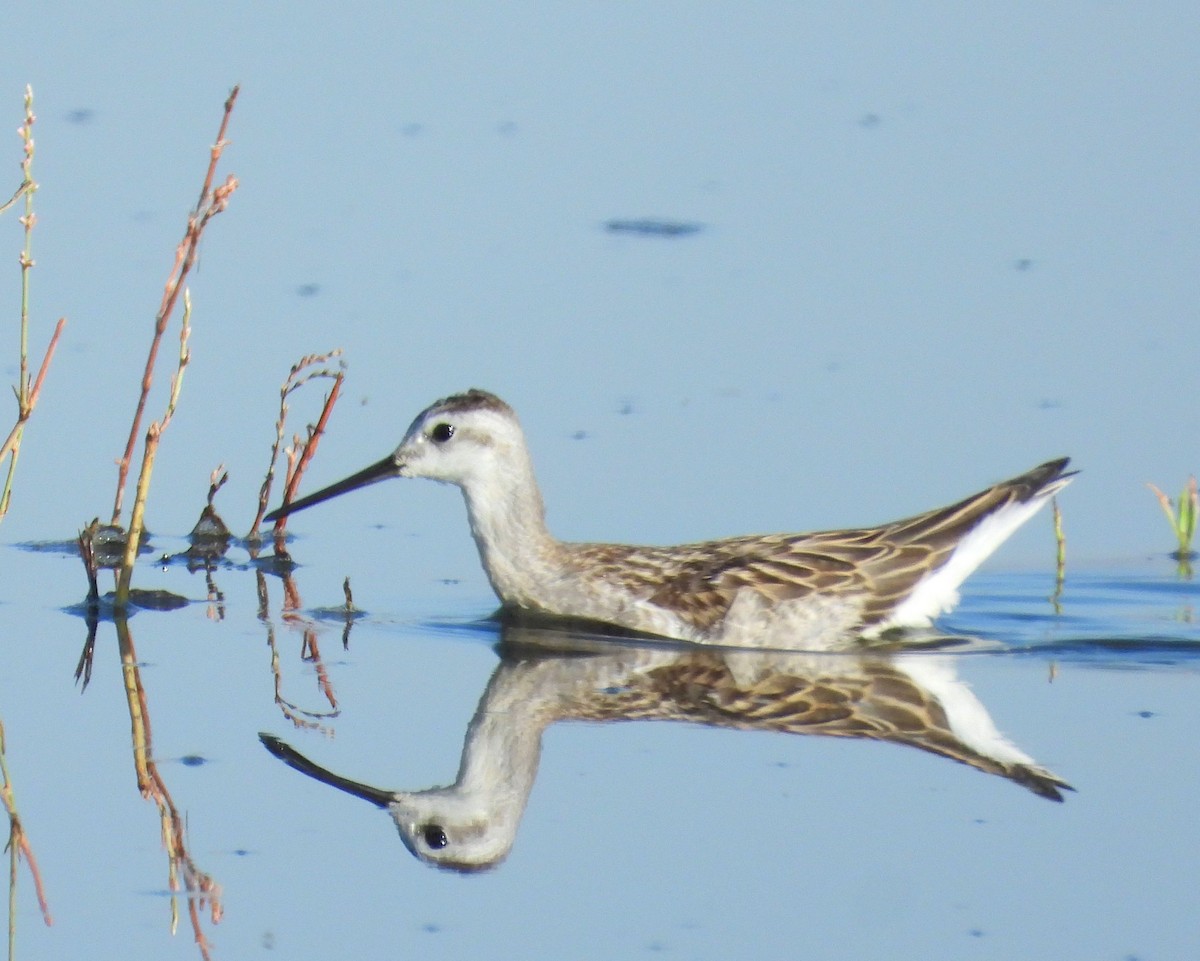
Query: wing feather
{"points": [[878, 565]]}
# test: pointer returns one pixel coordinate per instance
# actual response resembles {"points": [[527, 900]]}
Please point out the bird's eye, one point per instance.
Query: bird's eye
{"points": [[435, 836], [442, 432]]}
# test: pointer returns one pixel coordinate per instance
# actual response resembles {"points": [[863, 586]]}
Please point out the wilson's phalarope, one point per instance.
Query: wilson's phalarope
{"points": [[472, 824], [818, 589]]}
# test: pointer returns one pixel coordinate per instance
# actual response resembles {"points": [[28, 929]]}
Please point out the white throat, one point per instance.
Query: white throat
{"points": [[508, 522]]}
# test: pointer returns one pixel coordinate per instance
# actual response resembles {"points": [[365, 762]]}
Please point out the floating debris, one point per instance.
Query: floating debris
{"points": [[210, 528], [104, 607]]}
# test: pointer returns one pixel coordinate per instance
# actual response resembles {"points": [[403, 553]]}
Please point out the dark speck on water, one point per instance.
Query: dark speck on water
{"points": [[649, 227]]}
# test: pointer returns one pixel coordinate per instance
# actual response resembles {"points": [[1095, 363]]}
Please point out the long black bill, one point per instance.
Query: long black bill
{"points": [[370, 475], [294, 759]]}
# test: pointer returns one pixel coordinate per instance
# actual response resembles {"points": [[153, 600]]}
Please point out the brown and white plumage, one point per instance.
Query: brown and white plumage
{"points": [[821, 589], [913, 700]]}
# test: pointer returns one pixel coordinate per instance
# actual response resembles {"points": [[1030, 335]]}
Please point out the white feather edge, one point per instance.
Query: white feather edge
{"points": [[937, 592], [968, 718]]}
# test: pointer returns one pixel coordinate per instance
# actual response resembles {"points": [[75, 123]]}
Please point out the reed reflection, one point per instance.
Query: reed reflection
{"points": [[310, 653], [546, 676], [202, 892]]}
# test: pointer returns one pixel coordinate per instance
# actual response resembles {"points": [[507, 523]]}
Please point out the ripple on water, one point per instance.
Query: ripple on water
{"points": [[1127, 619]]}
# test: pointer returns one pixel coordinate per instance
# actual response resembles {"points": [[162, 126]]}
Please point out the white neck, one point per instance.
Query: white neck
{"points": [[509, 526]]}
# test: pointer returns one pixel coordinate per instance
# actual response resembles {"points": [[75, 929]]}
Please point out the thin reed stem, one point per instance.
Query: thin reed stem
{"points": [[137, 519], [301, 373], [1060, 566], [26, 393], [212, 202]]}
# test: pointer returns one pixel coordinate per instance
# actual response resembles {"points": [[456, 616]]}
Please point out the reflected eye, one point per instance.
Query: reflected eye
{"points": [[435, 836], [441, 432]]}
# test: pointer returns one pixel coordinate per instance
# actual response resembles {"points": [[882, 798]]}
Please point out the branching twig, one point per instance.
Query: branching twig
{"points": [[216, 480], [137, 519], [27, 394], [211, 202], [301, 373], [20, 192], [308, 447]]}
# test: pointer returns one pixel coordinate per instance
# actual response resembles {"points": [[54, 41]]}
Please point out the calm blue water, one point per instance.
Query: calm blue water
{"points": [[641, 837], [935, 247]]}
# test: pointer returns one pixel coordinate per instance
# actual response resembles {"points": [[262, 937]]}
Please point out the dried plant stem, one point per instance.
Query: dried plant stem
{"points": [[13, 441], [309, 447], [27, 394], [300, 374], [137, 519], [26, 185], [1060, 565], [212, 202], [27, 222]]}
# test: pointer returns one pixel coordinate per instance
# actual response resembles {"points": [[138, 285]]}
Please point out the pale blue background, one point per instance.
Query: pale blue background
{"points": [[849, 339]]}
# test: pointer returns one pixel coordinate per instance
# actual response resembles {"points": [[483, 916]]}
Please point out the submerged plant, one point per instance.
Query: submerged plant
{"points": [[1182, 514]]}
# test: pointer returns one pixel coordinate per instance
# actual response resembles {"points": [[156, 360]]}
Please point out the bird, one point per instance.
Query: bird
{"points": [[546, 676], [818, 590]]}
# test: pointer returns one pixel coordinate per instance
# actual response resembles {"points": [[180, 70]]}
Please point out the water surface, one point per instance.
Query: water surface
{"points": [[933, 250], [647, 836]]}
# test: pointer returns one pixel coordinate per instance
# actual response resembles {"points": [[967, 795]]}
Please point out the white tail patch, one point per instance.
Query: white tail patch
{"points": [[937, 592], [967, 717]]}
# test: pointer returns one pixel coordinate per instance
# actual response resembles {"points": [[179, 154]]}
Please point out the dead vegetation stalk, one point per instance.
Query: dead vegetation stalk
{"points": [[301, 453], [27, 393], [213, 200]]}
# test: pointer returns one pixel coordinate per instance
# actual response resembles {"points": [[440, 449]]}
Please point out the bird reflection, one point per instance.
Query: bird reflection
{"points": [[545, 676]]}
